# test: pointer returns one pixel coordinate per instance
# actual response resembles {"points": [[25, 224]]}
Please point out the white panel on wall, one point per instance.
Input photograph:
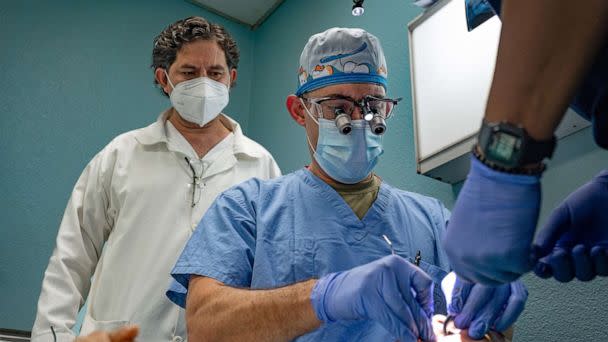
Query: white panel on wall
{"points": [[451, 71]]}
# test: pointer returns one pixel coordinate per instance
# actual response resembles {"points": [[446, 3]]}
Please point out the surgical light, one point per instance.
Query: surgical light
{"points": [[358, 8]]}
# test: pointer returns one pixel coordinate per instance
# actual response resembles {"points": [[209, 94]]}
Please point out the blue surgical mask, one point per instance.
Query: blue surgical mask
{"points": [[350, 158]]}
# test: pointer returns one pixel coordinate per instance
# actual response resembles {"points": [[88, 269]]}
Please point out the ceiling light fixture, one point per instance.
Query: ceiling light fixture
{"points": [[358, 8]]}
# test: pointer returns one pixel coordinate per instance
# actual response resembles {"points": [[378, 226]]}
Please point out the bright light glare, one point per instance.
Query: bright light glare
{"points": [[358, 11]]}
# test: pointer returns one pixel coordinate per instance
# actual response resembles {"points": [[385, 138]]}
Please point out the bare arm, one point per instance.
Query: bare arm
{"points": [[546, 46], [217, 312]]}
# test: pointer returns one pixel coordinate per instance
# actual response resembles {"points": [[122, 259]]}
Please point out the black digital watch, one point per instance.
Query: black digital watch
{"points": [[508, 147]]}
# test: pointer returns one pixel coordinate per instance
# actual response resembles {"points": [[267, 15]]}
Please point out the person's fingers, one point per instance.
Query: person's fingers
{"points": [[557, 225], [396, 312], [426, 327], [562, 265], [422, 284], [124, 334], [411, 280], [479, 296], [403, 327], [96, 336], [599, 256], [542, 268], [515, 306], [583, 266], [459, 295], [484, 318]]}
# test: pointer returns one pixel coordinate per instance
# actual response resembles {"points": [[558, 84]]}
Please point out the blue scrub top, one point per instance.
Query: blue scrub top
{"points": [[268, 234]]}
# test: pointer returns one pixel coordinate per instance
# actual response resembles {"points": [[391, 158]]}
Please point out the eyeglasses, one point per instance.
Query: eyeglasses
{"points": [[193, 195], [332, 106]]}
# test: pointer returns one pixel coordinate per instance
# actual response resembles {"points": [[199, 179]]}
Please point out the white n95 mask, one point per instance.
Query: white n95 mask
{"points": [[199, 100]]}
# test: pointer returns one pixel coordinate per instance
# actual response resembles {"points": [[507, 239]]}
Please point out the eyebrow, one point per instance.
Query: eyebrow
{"points": [[190, 66], [187, 66], [217, 67]]}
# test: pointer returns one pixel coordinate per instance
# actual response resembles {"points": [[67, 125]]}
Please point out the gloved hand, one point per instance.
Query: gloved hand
{"points": [[574, 243], [480, 308], [390, 291], [489, 236]]}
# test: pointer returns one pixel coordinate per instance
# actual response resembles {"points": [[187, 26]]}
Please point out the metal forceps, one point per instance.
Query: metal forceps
{"points": [[390, 245]]}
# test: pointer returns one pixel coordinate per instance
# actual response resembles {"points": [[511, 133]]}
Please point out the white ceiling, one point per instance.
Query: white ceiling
{"points": [[248, 12]]}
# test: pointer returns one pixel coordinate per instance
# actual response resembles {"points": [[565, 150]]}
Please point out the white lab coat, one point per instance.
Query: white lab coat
{"points": [[134, 197]]}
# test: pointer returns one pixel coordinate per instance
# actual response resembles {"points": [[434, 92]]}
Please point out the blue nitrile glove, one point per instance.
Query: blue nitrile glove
{"points": [[480, 308], [489, 236], [574, 243], [390, 291]]}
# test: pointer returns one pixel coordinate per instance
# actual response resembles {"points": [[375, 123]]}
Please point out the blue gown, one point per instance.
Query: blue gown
{"points": [[268, 234]]}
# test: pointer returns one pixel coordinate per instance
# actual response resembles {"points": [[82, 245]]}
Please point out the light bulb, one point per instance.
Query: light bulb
{"points": [[358, 10]]}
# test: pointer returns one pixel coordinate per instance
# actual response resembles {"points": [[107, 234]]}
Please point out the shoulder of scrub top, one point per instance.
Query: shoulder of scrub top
{"points": [[428, 204]]}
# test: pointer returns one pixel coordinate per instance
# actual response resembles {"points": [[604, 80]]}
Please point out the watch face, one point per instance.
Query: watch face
{"points": [[504, 147]]}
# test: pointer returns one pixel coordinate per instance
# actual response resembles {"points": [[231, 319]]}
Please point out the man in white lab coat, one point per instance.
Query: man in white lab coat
{"points": [[138, 201]]}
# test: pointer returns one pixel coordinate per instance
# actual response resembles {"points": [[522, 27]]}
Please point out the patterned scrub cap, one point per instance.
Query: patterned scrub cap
{"points": [[341, 55]]}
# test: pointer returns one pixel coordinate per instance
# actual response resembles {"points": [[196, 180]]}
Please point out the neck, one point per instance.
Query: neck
{"points": [[202, 139]]}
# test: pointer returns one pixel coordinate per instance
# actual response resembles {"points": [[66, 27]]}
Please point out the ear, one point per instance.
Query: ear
{"points": [[233, 75], [296, 109], [161, 78]]}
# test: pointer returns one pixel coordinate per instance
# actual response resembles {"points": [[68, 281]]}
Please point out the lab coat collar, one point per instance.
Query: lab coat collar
{"points": [[242, 144], [155, 133]]}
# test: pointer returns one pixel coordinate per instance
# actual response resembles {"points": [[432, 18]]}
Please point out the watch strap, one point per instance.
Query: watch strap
{"points": [[532, 171]]}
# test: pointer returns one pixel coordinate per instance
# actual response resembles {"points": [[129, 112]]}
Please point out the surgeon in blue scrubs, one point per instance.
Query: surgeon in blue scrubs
{"points": [[331, 252], [552, 53]]}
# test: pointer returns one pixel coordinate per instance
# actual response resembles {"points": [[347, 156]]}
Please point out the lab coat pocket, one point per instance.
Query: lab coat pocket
{"points": [[89, 325]]}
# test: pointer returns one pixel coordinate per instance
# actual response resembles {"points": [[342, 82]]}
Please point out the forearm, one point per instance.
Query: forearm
{"points": [[216, 312], [545, 49]]}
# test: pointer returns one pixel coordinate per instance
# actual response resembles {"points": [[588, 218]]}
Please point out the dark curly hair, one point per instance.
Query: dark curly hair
{"points": [[174, 36]]}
